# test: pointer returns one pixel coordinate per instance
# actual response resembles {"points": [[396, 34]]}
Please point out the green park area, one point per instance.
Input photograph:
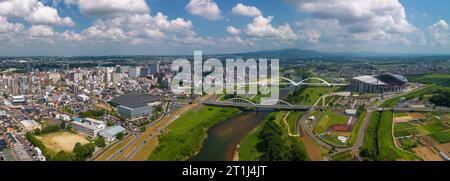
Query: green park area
{"points": [[328, 118], [184, 136], [309, 95]]}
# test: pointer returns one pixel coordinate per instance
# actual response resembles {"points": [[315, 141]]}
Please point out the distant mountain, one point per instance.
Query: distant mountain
{"points": [[298, 53], [282, 53]]}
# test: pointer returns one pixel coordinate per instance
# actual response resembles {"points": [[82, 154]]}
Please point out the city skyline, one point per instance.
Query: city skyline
{"points": [[154, 27]]}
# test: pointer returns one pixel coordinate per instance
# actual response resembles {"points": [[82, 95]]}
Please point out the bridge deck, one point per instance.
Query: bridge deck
{"points": [[248, 105]]}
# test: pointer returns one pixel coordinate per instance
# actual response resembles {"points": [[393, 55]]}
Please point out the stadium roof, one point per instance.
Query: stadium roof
{"points": [[399, 77], [369, 80], [135, 100]]}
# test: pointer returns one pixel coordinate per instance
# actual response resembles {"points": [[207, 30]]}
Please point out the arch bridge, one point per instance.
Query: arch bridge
{"points": [[267, 104]]}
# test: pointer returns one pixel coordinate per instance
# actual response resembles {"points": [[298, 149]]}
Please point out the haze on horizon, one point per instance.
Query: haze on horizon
{"points": [[151, 27]]}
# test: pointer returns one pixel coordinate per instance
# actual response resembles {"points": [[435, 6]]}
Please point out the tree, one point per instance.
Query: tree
{"points": [[297, 151], [63, 156], [62, 125], [120, 135], [83, 152], [37, 131], [273, 144], [100, 142], [359, 111]]}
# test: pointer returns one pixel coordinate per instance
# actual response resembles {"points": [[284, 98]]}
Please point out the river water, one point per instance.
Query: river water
{"points": [[223, 137]]}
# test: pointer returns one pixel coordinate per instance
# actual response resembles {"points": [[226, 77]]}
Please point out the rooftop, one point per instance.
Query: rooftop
{"points": [[135, 100], [369, 79], [30, 123], [112, 131]]}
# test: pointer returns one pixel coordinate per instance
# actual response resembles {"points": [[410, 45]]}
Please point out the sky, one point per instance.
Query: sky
{"points": [[174, 27]]}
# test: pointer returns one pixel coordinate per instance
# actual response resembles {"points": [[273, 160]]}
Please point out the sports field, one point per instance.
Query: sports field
{"points": [[62, 141]]}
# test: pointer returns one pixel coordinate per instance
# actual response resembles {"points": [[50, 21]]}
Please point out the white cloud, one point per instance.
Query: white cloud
{"points": [[439, 33], [41, 31], [34, 12], [140, 28], [205, 8], [262, 27], [232, 30], [110, 7], [7, 27], [312, 36], [356, 20], [72, 36], [244, 10], [47, 15]]}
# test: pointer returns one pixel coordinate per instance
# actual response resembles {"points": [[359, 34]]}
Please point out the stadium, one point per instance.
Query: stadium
{"points": [[378, 84]]}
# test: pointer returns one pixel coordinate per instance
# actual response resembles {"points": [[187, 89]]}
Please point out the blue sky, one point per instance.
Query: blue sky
{"points": [[149, 27]]}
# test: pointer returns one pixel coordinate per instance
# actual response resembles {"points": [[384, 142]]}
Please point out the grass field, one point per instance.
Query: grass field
{"points": [[442, 136], [185, 135], [369, 139], [328, 118], [292, 121], [439, 79], [62, 141], [394, 101]]}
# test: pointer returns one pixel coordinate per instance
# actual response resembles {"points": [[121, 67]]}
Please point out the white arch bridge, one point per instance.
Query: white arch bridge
{"points": [[321, 82], [268, 104]]}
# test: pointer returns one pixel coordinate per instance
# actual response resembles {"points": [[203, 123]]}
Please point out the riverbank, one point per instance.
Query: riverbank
{"points": [[220, 144], [183, 138]]}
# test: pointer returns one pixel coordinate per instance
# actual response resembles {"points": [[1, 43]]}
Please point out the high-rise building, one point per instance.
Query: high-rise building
{"points": [[76, 76], [134, 72], [154, 68], [145, 71]]}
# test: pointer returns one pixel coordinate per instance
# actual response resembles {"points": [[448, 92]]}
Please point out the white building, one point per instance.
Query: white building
{"points": [[88, 126], [116, 77], [350, 111], [82, 98], [18, 99], [30, 125]]}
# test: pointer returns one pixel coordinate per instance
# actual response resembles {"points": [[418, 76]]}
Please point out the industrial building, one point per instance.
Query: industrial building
{"points": [[110, 133], [378, 84], [88, 126], [135, 105]]}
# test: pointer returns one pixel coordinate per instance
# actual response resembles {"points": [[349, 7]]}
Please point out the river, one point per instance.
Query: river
{"points": [[223, 137]]}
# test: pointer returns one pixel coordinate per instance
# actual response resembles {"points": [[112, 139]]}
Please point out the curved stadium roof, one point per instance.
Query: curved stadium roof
{"points": [[369, 80]]}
